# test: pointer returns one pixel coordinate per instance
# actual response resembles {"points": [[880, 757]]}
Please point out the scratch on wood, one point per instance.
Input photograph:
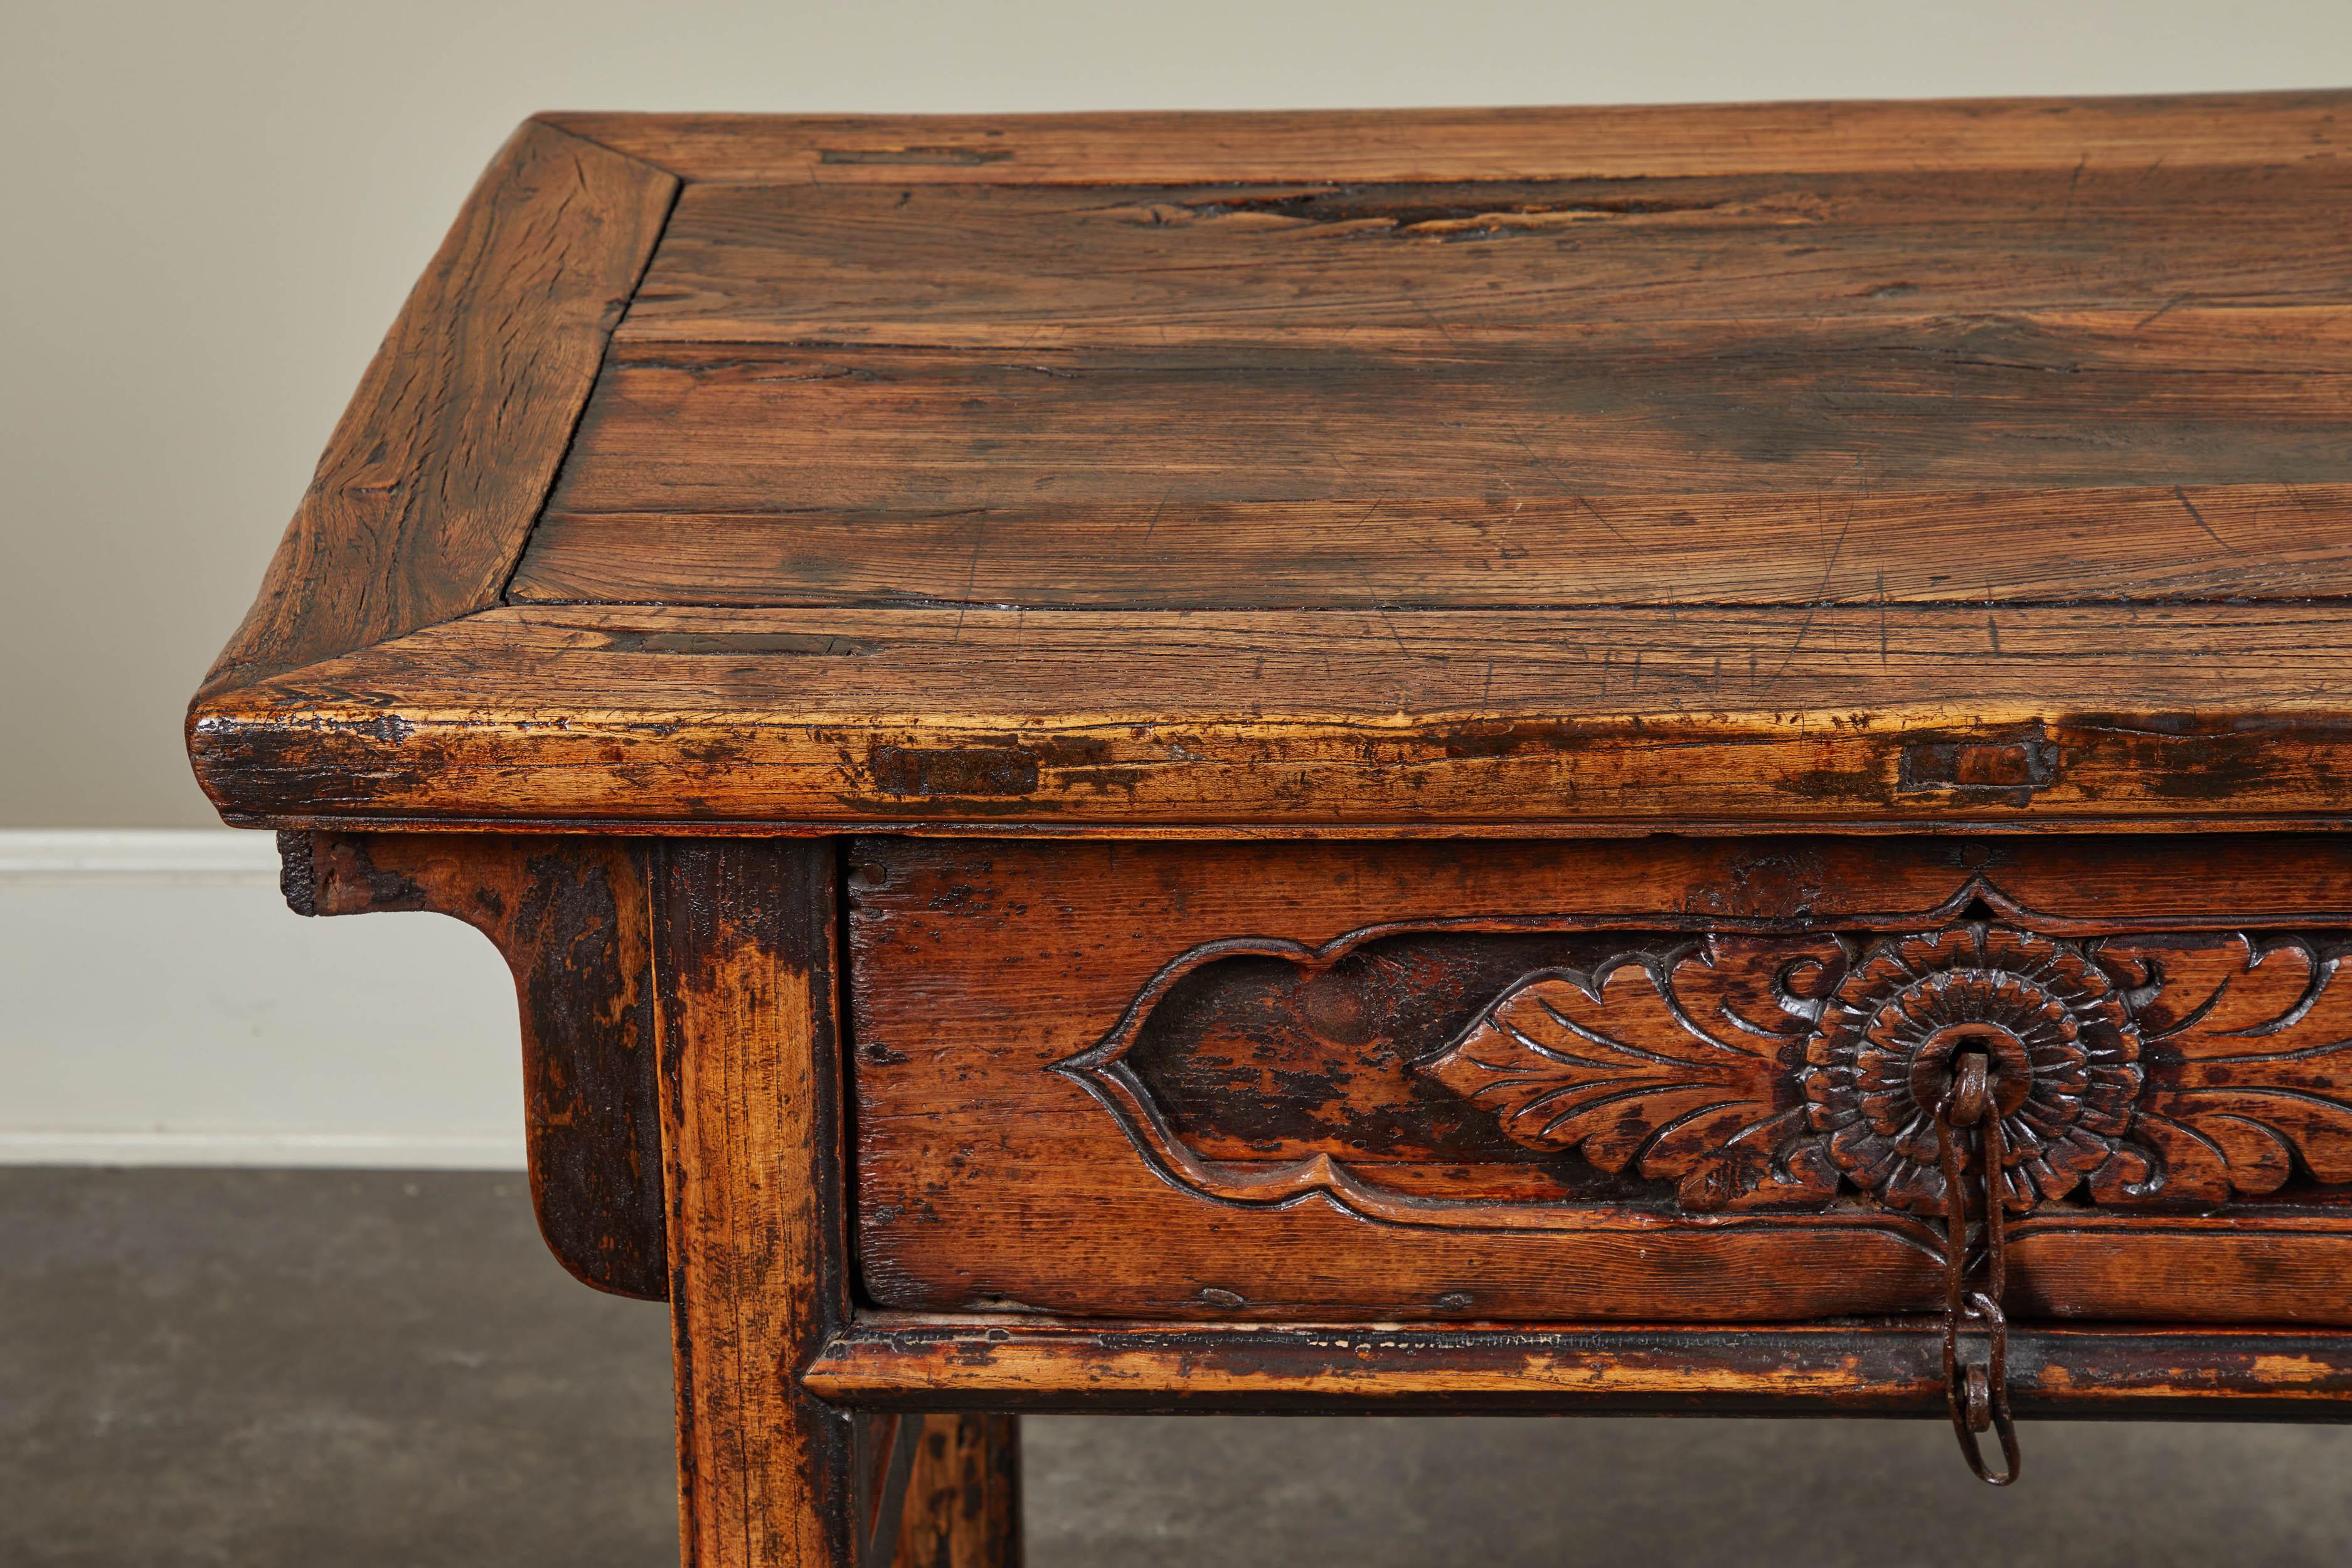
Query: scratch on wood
{"points": [[2191, 506]]}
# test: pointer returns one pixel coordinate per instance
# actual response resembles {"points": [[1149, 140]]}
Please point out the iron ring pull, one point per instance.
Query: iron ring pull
{"points": [[1977, 1394]]}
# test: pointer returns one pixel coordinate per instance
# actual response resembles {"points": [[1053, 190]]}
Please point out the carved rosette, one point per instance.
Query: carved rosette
{"points": [[2065, 1057]]}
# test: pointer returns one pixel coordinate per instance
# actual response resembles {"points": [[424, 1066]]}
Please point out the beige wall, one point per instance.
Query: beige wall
{"points": [[212, 210]]}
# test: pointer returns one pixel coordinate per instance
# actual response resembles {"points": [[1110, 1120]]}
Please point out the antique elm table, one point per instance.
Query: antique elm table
{"points": [[1637, 760]]}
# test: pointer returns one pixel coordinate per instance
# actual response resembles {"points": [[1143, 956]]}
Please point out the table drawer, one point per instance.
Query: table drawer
{"points": [[1658, 1078]]}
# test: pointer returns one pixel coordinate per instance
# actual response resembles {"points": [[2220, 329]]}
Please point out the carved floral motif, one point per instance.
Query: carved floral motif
{"points": [[2184, 1070], [1776, 1074], [2065, 1057]]}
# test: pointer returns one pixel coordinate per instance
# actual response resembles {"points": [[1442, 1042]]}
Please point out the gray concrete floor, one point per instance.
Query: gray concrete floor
{"points": [[281, 1368]]}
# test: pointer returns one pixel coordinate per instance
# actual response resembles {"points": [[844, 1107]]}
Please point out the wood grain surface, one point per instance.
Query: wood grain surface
{"points": [[963, 1507], [759, 428], [1540, 469], [752, 1137], [2050, 269], [2149, 545], [903, 1361], [569, 915], [421, 500], [1482, 143], [1279, 1150], [2082, 713]]}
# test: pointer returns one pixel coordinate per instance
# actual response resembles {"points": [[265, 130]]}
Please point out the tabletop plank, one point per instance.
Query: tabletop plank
{"points": [[758, 427], [2154, 543], [1579, 266]]}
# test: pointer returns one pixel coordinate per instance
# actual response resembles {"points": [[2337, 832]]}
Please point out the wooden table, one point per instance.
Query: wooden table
{"points": [[1393, 761]]}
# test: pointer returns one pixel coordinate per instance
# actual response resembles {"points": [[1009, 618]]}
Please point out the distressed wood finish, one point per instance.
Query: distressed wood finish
{"points": [[938, 1490], [895, 1361], [422, 501], [751, 1134], [750, 428], [1519, 471], [962, 1503], [569, 917], [2152, 544], [2224, 713], [1622, 142], [2020, 264], [1567, 1081]]}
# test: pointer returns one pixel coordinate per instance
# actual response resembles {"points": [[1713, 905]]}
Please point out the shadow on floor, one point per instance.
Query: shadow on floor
{"points": [[267, 1369]]}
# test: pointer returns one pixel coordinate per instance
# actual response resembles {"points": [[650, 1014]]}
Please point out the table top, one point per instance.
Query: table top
{"points": [[1967, 464]]}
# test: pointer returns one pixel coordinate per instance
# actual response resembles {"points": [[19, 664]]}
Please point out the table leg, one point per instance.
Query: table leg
{"points": [[962, 1507], [745, 989]]}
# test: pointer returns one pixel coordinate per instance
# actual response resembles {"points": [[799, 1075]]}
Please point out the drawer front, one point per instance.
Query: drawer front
{"points": [[1672, 1078]]}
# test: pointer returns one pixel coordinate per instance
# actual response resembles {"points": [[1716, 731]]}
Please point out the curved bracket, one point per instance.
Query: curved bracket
{"points": [[570, 917]]}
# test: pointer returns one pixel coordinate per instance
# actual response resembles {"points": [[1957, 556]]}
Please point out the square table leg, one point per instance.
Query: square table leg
{"points": [[746, 956]]}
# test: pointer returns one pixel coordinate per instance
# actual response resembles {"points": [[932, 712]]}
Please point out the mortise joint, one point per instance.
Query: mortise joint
{"points": [[968, 770], [2006, 770]]}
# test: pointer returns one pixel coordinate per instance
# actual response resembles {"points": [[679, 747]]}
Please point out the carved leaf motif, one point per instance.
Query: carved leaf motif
{"points": [[2251, 1047], [1682, 1075]]}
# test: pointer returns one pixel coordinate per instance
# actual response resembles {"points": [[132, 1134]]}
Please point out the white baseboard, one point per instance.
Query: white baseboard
{"points": [[159, 1005], [343, 1151], [172, 855]]}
